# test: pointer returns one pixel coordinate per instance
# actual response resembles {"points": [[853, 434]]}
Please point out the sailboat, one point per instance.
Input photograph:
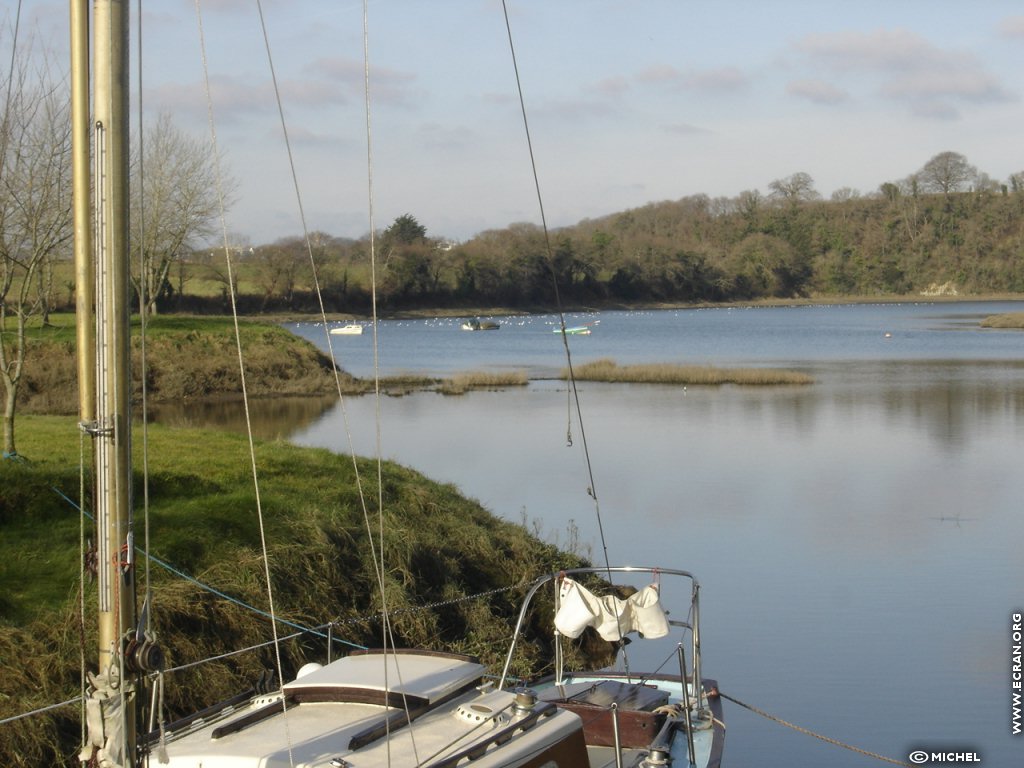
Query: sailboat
{"points": [[370, 708], [367, 709]]}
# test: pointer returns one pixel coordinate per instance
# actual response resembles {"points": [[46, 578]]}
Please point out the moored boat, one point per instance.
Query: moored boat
{"points": [[637, 718], [352, 329], [480, 325], [576, 330]]}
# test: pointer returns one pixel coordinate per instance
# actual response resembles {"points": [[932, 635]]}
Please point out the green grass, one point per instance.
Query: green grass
{"points": [[438, 546], [608, 370]]}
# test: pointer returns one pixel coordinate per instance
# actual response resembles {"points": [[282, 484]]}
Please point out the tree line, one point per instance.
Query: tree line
{"points": [[946, 228]]}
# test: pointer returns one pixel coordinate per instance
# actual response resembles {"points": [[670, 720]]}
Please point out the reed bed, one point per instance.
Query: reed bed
{"points": [[608, 370], [461, 383], [1008, 320]]}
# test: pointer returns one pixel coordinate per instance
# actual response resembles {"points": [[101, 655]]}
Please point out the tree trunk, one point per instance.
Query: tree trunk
{"points": [[12, 393]]}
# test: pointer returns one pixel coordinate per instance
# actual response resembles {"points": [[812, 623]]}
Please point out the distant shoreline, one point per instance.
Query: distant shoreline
{"points": [[915, 298]]}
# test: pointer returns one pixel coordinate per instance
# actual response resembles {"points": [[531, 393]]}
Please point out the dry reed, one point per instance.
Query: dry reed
{"points": [[608, 370], [463, 382]]}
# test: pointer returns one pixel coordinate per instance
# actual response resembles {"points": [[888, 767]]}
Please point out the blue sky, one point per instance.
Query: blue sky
{"points": [[628, 101]]}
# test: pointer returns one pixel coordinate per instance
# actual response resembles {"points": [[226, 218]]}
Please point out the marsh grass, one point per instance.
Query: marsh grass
{"points": [[608, 370], [439, 547], [1008, 320], [461, 383]]}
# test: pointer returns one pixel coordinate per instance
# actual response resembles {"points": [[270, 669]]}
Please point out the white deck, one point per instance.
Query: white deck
{"points": [[317, 734]]}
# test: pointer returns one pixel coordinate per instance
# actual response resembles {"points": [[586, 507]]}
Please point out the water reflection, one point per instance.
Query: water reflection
{"points": [[272, 418]]}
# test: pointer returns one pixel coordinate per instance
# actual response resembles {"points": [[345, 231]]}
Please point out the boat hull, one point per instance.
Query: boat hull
{"points": [[641, 723]]}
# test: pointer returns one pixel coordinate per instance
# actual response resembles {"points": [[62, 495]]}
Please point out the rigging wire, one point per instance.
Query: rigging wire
{"points": [[592, 487], [143, 323], [10, 87], [241, 361], [379, 565], [387, 631], [203, 586], [808, 732]]}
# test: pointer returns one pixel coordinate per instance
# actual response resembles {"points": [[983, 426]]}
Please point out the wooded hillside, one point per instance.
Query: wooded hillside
{"points": [[938, 232]]}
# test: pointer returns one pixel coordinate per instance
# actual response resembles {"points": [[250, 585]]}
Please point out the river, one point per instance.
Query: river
{"points": [[858, 541]]}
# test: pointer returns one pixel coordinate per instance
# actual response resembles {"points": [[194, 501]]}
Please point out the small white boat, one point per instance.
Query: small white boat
{"points": [[352, 329], [480, 325]]}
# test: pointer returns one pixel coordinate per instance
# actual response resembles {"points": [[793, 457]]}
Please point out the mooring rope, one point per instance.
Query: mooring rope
{"points": [[808, 732]]}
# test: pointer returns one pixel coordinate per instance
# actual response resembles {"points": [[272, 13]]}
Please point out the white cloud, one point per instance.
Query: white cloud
{"points": [[723, 79], [907, 68], [817, 91], [685, 129], [1012, 27]]}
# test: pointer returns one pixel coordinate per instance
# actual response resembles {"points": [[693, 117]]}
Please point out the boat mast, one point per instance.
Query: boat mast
{"points": [[113, 439], [85, 288], [111, 426]]}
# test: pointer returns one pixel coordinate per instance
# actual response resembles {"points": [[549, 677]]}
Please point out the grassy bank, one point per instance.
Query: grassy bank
{"points": [[192, 358], [187, 358], [440, 548]]}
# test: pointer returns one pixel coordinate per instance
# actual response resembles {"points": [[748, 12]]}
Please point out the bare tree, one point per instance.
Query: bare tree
{"points": [[796, 188], [278, 267], [947, 172], [35, 215], [179, 206]]}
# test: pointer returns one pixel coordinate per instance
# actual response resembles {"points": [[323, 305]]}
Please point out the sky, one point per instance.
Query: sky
{"points": [[628, 101]]}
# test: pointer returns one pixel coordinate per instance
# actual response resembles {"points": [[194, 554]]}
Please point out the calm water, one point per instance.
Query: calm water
{"points": [[859, 541]]}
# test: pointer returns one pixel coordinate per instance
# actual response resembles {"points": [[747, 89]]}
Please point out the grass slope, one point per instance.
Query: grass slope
{"points": [[187, 358], [438, 547]]}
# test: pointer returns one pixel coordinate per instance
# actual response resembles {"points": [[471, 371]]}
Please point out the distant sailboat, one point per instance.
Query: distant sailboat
{"points": [[578, 330], [480, 325]]}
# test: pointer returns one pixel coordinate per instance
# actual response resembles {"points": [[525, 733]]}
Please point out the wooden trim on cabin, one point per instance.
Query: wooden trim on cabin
{"points": [[220, 709], [344, 694], [274, 708], [414, 652]]}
